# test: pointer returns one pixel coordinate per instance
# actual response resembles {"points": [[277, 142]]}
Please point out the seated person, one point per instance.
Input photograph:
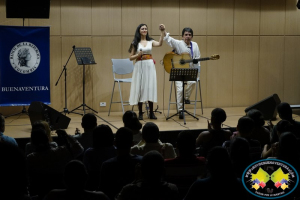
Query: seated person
{"points": [[42, 125], [259, 132], [150, 135], [244, 129], [46, 164], [131, 121], [119, 171], [102, 150], [151, 185], [221, 182], [281, 127], [186, 167], [285, 112], [3, 137], [75, 177], [239, 152], [215, 136], [14, 180]]}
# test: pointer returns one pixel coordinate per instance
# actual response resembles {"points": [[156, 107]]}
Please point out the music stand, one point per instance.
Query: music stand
{"points": [[183, 74], [84, 56]]}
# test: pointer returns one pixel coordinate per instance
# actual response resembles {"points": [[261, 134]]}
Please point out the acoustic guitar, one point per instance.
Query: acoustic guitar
{"points": [[172, 59]]}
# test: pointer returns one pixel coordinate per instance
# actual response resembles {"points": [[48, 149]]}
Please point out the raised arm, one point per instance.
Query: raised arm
{"points": [[159, 43]]}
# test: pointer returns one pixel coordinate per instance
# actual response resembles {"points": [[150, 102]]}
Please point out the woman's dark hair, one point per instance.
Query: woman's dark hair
{"points": [[219, 115], [137, 38], [284, 126], [131, 121], [40, 140], [102, 136], [257, 117]]}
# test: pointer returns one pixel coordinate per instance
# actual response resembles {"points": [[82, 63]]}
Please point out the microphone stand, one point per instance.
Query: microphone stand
{"points": [[65, 111]]}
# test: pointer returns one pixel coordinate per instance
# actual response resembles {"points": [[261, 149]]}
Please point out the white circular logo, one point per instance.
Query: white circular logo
{"points": [[25, 57]]}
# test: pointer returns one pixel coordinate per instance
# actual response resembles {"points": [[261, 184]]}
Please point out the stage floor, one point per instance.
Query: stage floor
{"points": [[19, 126]]}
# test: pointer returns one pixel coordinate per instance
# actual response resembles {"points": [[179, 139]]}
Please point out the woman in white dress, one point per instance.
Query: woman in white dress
{"points": [[144, 84]]}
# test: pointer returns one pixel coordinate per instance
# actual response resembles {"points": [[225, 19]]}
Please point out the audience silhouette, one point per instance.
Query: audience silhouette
{"points": [[132, 122], [5, 138], [118, 171], [151, 186], [75, 177], [139, 166], [150, 135], [102, 150], [222, 182], [215, 135], [40, 124]]}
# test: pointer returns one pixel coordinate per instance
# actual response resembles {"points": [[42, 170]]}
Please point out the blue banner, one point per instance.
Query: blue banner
{"points": [[24, 65]]}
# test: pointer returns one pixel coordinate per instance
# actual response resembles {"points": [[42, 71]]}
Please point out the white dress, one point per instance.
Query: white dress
{"points": [[144, 84]]}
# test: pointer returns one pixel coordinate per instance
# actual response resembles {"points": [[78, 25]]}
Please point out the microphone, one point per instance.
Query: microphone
{"points": [[195, 61], [142, 55], [73, 46], [298, 4]]}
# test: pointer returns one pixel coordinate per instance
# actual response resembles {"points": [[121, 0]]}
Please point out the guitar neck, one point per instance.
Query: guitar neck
{"points": [[199, 59]]}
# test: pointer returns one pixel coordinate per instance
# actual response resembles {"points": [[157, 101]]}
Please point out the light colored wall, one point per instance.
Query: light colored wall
{"points": [[258, 42]]}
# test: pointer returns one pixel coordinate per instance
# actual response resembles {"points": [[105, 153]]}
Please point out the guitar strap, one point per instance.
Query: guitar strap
{"points": [[192, 54]]}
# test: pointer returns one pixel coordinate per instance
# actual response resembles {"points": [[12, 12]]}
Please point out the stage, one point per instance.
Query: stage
{"points": [[19, 126]]}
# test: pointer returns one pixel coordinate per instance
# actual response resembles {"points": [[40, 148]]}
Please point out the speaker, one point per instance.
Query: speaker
{"points": [[40, 111], [28, 9], [267, 106]]}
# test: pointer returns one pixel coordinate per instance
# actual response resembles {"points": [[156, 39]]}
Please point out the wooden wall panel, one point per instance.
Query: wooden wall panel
{"points": [[57, 93], [272, 17], [193, 14], [271, 64], [53, 21], [135, 12], [219, 72], [165, 12], [292, 20], [246, 17], [291, 70], [105, 48], [258, 41], [76, 17], [75, 72], [106, 17], [9, 21], [245, 70], [220, 17]]}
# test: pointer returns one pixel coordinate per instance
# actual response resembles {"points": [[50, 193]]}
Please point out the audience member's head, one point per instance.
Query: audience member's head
{"points": [[186, 143], [40, 140], [245, 126], [239, 149], [257, 117], [285, 111], [150, 132], [218, 116], [2, 123], [124, 137], [13, 181], [219, 163], [102, 136], [152, 166], [41, 124], [288, 147], [89, 121], [283, 126], [131, 120], [75, 175]]}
